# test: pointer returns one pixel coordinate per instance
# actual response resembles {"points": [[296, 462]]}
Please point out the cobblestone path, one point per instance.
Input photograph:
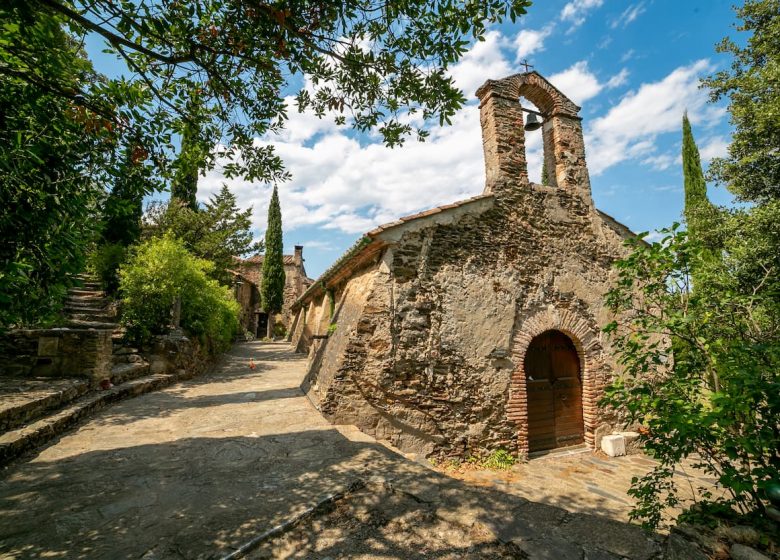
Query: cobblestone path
{"points": [[196, 470]]}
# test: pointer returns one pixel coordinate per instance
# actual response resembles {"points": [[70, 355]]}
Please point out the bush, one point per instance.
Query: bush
{"points": [[105, 262], [162, 270], [719, 401]]}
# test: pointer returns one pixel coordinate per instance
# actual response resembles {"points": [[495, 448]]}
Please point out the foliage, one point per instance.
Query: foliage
{"points": [[218, 232], [752, 168], [280, 330], [105, 261], [50, 162], [272, 279], [124, 206], [161, 270], [184, 186], [701, 216], [499, 459], [720, 402], [367, 61], [545, 176]]}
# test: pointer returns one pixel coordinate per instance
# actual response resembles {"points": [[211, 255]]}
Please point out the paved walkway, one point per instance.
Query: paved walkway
{"points": [[198, 469]]}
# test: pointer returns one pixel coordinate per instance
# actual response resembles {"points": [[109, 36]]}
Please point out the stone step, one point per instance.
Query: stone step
{"points": [[121, 373], [126, 359], [79, 324], [100, 316], [79, 292], [20, 440], [86, 302], [23, 400], [88, 285]]}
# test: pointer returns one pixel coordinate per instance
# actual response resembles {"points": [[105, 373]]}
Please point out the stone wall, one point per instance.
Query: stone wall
{"points": [[57, 353]]}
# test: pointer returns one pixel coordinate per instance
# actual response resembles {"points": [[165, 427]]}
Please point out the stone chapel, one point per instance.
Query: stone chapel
{"points": [[476, 325]]}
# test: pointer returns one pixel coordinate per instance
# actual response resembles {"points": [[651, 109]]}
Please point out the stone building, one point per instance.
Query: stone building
{"points": [[476, 325], [248, 275]]}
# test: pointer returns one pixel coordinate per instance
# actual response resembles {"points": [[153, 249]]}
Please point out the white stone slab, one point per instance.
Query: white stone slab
{"points": [[614, 445]]}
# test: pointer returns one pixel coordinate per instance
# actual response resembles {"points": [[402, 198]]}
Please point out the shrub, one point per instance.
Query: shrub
{"points": [[719, 401], [500, 459], [161, 270], [105, 261]]}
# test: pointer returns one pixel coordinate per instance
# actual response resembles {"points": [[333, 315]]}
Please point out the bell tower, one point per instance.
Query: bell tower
{"points": [[503, 135]]}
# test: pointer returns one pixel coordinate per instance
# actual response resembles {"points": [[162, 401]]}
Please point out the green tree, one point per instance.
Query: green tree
{"points": [[124, 206], [369, 63], [545, 176], [719, 403], [700, 214], [729, 428], [219, 232], [272, 279], [184, 186], [752, 168], [52, 166]]}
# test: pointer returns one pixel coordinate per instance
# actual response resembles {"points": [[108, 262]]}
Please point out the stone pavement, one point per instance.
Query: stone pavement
{"points": [[198, 469], [579, 481]]}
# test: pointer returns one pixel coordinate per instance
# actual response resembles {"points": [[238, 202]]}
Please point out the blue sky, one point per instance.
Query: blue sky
{"points": [[633, 66]]}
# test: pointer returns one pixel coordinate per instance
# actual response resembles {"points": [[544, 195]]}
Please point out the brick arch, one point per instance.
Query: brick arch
{"points": [[543, 94], [586, 342]]}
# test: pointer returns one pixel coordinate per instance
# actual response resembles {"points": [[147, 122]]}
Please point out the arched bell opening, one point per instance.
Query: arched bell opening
{"points": [[553, 382]]}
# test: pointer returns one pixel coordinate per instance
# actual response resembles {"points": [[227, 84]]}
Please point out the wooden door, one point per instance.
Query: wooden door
{"points": [[554, 389]]}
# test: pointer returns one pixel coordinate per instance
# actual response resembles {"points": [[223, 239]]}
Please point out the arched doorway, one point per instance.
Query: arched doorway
{"points": [[554, 388]]}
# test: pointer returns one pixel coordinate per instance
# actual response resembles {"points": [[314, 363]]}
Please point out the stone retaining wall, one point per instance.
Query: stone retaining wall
{"points": [[56, 353]]}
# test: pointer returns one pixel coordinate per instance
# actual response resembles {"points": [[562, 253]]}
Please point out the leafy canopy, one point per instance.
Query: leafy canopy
{"points": [[54, 155], [368, 62]]}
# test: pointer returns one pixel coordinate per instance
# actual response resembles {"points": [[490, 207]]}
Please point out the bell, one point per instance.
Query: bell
{"points": [[532, 123]]}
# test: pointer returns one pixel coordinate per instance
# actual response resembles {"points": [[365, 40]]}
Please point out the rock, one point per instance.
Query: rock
{"points": [[550, 548], [680, 548], [742, 552], [632, 442], [158, 365]]}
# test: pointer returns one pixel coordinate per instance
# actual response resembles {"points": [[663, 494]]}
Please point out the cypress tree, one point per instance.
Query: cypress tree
{"points": [[185, 182], [700, 214], [545, 176], [272, 282]]}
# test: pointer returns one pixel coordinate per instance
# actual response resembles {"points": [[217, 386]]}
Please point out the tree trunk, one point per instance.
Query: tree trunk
{"points": [[270, 330]]}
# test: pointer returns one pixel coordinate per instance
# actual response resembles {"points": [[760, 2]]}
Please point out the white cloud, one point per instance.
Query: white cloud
{"points": [[628, 15], [618, 79], [530, 41], [662, 162], [715, 148], [579, 84], [484, 60], [576, 11], [340, 184], [630, 128]]}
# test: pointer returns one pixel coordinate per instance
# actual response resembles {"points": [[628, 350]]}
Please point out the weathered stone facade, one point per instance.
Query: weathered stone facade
{"points": [[419, 333], [248, 275]]}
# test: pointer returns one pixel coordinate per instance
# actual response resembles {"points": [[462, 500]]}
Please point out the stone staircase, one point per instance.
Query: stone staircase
{"points": [[36, 410]]}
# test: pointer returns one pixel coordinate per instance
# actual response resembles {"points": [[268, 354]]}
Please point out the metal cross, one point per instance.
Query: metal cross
{"points": [[526, 65]]}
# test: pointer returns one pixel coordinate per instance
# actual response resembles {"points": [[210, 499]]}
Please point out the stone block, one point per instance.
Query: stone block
{"points": [[614, 445]]}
